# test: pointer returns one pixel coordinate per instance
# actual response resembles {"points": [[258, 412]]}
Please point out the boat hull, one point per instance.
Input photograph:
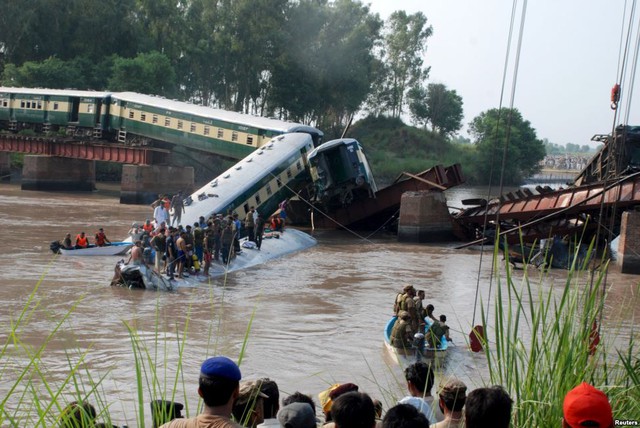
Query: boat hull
{"points": [[115, 249]]}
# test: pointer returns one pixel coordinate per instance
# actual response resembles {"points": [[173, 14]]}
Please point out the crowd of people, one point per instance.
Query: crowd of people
{"points": [[231, 402], [191, 249], [413, 317]]}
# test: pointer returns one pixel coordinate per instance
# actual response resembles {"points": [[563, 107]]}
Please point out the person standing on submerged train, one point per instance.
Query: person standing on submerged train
{"points": [[283, 213], [178, 208]]}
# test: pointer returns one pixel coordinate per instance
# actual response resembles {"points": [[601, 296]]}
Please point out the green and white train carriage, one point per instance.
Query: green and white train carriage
{"points": [[51, 109], [263, 179], [226, 133]]}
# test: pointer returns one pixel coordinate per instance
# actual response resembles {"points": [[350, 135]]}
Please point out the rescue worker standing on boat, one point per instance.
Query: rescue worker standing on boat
{"points": [[401, 334], [101, 238], [406, 303]]}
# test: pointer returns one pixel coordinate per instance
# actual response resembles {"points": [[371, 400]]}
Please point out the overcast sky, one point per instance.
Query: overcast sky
{"points": [[568, 64]]}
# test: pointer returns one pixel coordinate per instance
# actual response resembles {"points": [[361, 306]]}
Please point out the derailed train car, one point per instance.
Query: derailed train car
{"points": [[341, 173]]}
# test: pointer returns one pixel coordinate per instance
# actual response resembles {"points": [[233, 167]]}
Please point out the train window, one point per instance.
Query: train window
{"points": [[143, 117], [55, 106], [279, 182], [257, 199], [268, 189], [90, 108], [167, 122], [154, 118], [299, 166], [22, 104], [249, 139], [131, 114], [234, 136], [39, 105], [192, 128], [179, 124], [289, 175], [206, 130], [220, 132]]}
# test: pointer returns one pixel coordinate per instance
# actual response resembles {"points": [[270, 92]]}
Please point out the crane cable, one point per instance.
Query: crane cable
{"points": [[495, 139]]}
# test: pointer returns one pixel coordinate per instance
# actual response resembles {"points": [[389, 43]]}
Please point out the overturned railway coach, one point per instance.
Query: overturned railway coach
{"points": [[128, 117]]}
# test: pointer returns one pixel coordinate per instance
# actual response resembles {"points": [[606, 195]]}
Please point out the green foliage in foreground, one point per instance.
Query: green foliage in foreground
{"points": [[539, 371]]}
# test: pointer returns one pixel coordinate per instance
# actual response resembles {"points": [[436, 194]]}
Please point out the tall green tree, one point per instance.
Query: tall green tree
{"points": [[524, 150], [51, 73], [437, 106], [404, 44], [150, 73]]}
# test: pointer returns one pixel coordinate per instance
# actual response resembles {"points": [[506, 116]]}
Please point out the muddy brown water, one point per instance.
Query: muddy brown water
{"points": [[317, 316]]}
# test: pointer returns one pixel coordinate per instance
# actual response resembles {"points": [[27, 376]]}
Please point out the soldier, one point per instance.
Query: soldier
{"points": [[401, 334]]}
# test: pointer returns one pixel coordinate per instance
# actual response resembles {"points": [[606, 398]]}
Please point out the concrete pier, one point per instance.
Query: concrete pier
{"points": [[5, 166], [56, 173], [141, 184], [629, 245], [424, 217]]}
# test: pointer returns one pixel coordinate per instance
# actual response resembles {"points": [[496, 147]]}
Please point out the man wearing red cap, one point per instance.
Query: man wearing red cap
{"points": [[586, 406], [219, 386]]}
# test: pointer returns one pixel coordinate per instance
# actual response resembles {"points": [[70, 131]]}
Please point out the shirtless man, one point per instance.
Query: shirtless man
{"points": [[181, 243], [136, 255]]}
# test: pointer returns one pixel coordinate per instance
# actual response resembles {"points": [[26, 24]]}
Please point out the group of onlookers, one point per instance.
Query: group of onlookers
{"points": [[230, 402]]}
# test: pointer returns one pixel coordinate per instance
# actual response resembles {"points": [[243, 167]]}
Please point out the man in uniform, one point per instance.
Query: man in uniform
{"points": [[402, 334], [249, 225], [409, 305]]}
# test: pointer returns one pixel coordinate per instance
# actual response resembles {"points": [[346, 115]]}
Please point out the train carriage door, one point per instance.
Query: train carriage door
{"points": [[75, 107], [97, 112]]}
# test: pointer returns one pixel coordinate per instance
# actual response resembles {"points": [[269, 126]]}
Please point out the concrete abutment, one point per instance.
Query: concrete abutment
{"points": [[58, 174], [629, 245], [424, 217], [141, 184]]}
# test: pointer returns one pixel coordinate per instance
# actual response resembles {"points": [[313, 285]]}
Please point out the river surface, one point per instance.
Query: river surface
{"points": [[316, 317]]}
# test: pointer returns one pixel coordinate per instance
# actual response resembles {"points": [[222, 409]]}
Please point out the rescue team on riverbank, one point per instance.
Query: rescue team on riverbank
{"points": [[230, 402]]}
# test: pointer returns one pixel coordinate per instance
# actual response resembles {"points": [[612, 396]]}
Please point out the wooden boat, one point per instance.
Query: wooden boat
{"points": [[115, 249], [415, 353]]}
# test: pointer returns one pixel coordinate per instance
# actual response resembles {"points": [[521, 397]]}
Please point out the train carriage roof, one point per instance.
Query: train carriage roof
{"points": [[56, 92], [217, 114]]}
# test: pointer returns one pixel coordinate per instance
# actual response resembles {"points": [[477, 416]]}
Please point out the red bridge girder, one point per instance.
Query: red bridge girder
{"points": [[89, 150]]}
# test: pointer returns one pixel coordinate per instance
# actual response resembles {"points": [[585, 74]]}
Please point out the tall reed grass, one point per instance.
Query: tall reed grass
{"points": [[559, 353]]}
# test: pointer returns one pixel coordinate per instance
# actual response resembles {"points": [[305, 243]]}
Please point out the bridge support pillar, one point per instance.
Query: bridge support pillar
{"points": [[629, 245], [424, 217], [5, 166], [141, 184], [56, 173]]}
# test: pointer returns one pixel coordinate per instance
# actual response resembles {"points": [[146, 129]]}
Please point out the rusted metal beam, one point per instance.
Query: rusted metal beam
{"points": [[88, 150]]}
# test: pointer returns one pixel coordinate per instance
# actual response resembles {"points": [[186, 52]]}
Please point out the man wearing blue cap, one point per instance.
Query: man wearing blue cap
{"points": [[219, 386]]}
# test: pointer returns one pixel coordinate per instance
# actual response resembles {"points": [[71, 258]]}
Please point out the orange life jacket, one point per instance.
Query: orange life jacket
{"points": [[100, 239], [147, 227], [82, 242]]}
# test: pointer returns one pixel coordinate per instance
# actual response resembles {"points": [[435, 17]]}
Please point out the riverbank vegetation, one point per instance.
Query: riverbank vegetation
{"points": [[537, 372], [319, 63]]}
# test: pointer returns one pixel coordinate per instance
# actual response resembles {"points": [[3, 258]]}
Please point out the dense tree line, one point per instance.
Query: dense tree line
{"points": [[317, 62]]}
